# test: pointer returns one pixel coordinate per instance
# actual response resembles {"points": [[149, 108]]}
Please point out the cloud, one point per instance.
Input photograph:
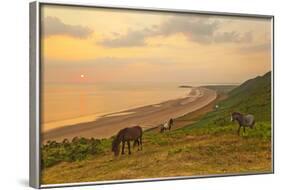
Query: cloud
{"points": [[234, 37], [197, 29], [54, 26], [256, 48], [132, 38]]}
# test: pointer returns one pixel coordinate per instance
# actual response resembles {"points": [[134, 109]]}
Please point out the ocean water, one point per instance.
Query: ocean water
{"points": [[66, 104]]}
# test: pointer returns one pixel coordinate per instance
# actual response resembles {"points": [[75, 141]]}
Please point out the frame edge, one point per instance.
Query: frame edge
{"points": [[34, 131]]}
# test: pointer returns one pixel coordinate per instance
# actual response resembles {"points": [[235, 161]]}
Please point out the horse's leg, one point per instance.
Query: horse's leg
{"points": [[128, 142], [253, 125], [238, 132], [137, 142], [123, 147], [141, 142]]}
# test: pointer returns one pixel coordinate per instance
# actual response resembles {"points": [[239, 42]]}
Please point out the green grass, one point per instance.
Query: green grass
{"points": [[209, 146]]}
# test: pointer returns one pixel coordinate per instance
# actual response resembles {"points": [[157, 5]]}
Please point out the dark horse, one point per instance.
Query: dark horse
{"points": [[243, 120], [127, 135]]}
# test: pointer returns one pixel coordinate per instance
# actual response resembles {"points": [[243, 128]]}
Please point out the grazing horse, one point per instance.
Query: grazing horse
{"points": [[166, 125], [243, 120], [127, 135]]}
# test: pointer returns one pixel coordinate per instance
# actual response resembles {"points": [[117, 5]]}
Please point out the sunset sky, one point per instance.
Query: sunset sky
{"points": [[94, 45]]}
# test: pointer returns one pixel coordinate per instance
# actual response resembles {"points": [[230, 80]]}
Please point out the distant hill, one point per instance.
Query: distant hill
{"points": [[221, 88], [253, 96], [255, 85]]}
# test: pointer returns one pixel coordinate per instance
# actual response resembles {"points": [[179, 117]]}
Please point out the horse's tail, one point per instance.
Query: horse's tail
{"points": [[253, 124]]}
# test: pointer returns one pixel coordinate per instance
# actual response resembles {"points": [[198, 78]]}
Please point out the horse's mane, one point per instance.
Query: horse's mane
{"points": [[116, 141], [237, 113], [120, 133]]}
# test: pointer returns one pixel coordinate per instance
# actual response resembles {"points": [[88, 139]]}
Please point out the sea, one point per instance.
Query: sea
{"points": [[68, 104]]}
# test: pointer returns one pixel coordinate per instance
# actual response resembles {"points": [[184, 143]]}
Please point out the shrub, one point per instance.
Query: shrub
{"points": [[78, 149]]}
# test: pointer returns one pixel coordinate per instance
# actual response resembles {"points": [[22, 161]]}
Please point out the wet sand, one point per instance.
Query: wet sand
{"points": [[147, 117]]}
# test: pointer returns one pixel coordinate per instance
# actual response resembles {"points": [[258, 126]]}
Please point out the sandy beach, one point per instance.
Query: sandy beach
{"points": [[147, 117]]}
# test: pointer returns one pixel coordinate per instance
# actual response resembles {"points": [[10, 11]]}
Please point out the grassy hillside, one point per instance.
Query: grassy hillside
{"points": [[251, 97], [208, 146], [256, 99]]}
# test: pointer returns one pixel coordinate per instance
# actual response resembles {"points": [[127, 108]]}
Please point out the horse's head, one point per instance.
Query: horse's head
{"points": [[115, 146], [235, 116], [171, 121]]}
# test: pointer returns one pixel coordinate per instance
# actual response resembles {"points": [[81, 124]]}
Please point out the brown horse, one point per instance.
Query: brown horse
{"points": [[127, 135]]}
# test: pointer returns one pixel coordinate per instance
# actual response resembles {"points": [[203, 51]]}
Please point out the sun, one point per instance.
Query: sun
{"points": [[82, 76]]}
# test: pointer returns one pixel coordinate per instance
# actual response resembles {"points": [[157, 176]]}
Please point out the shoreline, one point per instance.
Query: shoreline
{"points": [[147, 117]]}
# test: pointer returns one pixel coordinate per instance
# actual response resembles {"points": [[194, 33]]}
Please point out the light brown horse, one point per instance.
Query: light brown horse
{"points": [[166, 126], [127, 135]]}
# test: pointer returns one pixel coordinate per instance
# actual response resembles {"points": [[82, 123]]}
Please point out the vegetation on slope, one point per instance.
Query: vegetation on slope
{"points": [[252, 97], [78, 149]]}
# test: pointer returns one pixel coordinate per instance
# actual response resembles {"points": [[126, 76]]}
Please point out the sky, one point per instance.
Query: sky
{"points": [[97, 45]]}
